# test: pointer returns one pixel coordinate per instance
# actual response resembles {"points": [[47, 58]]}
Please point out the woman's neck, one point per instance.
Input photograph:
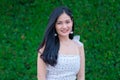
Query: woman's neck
{"points": [[64, 39]]}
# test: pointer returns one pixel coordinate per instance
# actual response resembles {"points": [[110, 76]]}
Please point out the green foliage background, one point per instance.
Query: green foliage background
{"points": [[23, 22]]}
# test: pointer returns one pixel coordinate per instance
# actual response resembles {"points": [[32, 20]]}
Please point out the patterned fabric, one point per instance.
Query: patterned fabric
{"points": [[66, 68]]}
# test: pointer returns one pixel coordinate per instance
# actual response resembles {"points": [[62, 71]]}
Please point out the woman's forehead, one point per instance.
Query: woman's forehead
{"points": [[63, 17]]}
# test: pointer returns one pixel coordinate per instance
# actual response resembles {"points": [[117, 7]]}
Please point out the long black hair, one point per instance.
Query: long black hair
{"points": [[50, 41]]}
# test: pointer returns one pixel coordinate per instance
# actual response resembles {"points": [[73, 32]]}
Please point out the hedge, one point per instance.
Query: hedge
{"points": [[22, 27]]}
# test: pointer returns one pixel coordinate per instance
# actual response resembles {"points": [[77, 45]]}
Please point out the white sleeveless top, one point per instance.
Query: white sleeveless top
{"points": [[66, 68]]}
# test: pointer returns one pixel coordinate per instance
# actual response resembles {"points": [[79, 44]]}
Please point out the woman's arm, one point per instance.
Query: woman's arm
{"points": [[81, 73], [41, 67]]}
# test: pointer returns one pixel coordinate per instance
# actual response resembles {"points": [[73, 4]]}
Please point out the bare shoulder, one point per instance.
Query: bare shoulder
{"points": [[80, 46], [76, 39], [41, 50]]}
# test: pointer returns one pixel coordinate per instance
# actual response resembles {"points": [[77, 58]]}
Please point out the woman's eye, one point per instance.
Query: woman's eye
{"points": [[68, 22], [59, 23]]}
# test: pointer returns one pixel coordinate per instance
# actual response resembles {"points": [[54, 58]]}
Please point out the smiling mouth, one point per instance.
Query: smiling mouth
{"points": [[64, 31]]}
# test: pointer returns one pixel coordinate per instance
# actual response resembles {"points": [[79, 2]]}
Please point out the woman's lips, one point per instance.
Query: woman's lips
{"points": [[64, 31]]}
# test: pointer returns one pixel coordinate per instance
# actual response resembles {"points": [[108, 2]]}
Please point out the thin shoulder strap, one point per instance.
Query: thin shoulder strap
{"points": [[76, 38]]}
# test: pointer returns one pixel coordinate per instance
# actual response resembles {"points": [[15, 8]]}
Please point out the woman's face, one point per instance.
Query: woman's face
{"points": [[64, 25]]}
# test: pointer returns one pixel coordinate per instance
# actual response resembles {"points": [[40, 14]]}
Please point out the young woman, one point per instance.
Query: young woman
{"points": [[60, 55]]}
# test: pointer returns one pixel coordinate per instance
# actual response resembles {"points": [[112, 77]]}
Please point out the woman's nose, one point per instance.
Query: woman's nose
{"points": [[64, 26]]}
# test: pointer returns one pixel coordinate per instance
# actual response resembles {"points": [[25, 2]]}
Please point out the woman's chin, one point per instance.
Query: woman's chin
{"points": [[65, 34]]}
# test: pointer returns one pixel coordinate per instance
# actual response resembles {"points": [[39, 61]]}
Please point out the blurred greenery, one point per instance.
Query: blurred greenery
{"points": [[22, 25]]}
